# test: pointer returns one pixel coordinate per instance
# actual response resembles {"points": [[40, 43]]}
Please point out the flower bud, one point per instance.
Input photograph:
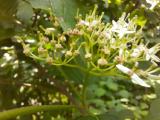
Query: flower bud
{"points": [[108, 35], [27, 49], [41, 50], [62, 38], [45, 39], [68, 53], [105, 51], [76, 52], [88, 55], [58, 46], [102, 62], [49, 60]]}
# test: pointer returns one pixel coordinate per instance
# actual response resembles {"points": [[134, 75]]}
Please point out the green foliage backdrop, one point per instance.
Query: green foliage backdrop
{"points": [[43, 89]]}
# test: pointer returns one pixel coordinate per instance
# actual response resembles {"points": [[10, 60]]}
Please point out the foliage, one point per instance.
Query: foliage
{"points": [[56, 52]]}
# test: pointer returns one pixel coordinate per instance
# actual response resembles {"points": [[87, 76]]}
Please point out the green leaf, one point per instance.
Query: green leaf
{"points": [[157, 90], [112, 85], [112, 115], [117, 115], [87, 118], [154, 110], [124, 94], [40, 4], [100, 92], [24, 12], [66, 11], [32, 109], [7, 10], [6, 33]]}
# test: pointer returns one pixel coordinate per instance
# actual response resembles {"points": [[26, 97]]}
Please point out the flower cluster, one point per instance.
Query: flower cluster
{"points": [[104, 49]]}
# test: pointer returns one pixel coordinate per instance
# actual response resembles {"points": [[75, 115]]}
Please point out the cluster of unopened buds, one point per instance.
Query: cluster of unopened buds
{"points": [[105, 49]]}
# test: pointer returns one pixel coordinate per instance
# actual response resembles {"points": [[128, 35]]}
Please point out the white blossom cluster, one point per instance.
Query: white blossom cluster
{"points": [[115, 48]]}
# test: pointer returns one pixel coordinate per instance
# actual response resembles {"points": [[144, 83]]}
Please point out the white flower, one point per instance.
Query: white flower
{"points": [[121, 52], [86, 23], [134, 77], [137, 51], [93, 23], [121, 29], [153, 3], [150, 54], [108, 35], [124, 69], [82, 22], [7, 56], [137, 80]]}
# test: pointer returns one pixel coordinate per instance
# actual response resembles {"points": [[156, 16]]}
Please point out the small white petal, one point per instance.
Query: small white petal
{"points": [[155, 58], [124, 69], [136, 52], [94, 23], [82, 22], [155, 77], [137, 80], [148, 57], [108, 35], [115, 25], [151, 50]]}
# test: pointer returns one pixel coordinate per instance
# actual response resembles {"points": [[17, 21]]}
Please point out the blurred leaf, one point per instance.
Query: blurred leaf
{"points": [[112, 85], [66, 11], [86, 118], [97, 102], [72, 74], [154, 110], [112, 115], [40, 4], [157, 90], [24, 12], [124, 94], [100, 92], [6, 33], [7, 10]]}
